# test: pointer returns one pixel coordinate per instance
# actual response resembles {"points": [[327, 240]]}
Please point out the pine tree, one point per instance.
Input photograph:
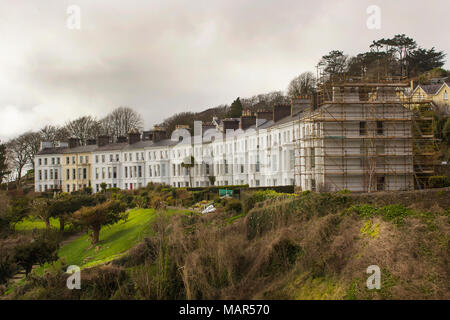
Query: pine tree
{"points": [[235, 109]]}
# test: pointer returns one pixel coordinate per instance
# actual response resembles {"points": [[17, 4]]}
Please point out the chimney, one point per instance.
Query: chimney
{"points": [[146, 135], [74, 142], [134, 136], [158, 134], [45, 145], [281, 111], [300, 104], [230, 124], [102, 141], [247, 121], [264, 114], [91, 142]]}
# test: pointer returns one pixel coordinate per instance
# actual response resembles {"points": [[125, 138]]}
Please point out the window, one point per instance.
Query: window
{"points": [[313, 184], [380, 183], [379, 128], [73, 160], [40, 161], [363, 128], [291, 160], [84, 173], [40, 174], [45, 161], [96, 173], [312, 158], [115, 173], [81, 159], [96, 159], [74, 175], [445, 95], [56, 174], [86, 159], [103, 158], [67, 160], [67, 174]]}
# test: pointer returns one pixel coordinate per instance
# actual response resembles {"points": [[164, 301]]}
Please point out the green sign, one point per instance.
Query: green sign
{"points": [[223, 192]]}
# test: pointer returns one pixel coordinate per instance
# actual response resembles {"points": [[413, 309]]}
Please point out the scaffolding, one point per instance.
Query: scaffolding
{"points": [[364, 135]]}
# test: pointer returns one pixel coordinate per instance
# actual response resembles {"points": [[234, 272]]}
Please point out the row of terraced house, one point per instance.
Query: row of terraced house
{"points": [[329, 146]]}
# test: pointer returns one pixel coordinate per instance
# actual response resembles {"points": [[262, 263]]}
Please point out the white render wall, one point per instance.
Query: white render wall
{"points": [[268, 156], [47, 174]]}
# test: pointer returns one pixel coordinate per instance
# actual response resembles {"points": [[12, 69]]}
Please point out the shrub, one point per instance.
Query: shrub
{"points": [[250, 199], [438, 182], [233, 205]]}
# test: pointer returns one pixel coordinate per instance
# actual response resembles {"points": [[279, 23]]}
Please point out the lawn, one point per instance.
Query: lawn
{"points": [[35, 223], [115, 240]]}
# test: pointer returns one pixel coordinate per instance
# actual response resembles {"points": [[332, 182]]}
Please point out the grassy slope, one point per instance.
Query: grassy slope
{"points": [[115, 240], [30, 223]]}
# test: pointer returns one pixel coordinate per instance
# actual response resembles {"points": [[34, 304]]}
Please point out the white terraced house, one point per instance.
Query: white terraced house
{"points": [[356, 141], [47, 175]]}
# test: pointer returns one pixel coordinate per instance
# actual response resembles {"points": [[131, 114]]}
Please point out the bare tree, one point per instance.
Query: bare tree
{"points": [[84, 128], [32, 141], [121, 121], [304, 84], [53, 133]]}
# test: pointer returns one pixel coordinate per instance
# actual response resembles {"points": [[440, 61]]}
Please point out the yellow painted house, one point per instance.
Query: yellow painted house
{"points": [[438, 93], [76, 167]]}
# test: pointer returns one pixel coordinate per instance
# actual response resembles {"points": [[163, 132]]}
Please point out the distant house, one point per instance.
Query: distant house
{"points": [[438, 93]]}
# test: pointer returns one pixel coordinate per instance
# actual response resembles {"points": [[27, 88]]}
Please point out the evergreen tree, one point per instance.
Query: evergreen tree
{"points": [[235, 109]]}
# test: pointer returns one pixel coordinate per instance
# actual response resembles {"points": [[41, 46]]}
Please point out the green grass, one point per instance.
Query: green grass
{"points": [[34, 223], [115, 240]]}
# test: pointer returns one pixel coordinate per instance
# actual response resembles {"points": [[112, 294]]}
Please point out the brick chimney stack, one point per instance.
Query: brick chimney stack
{"points": [[102, 141], [281, 111], [134, 136]]}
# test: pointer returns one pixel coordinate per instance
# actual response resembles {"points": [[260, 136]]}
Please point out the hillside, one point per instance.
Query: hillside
{"points": [[310, 246]]}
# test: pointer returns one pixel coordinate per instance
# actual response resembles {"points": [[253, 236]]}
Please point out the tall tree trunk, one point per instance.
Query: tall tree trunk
{"points": [[95, 234], [61, 224], [47, 223]]}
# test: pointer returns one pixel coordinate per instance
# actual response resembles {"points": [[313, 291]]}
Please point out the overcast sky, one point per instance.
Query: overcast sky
{"points": [[163, 57]]}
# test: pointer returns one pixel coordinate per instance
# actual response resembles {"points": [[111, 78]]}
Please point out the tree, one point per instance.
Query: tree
{"points": [[64, 205], [53, 134], [422, 60], [39, 251], [40, 209], [121, 121], [18, 155], [446, 131], [3, 162], [400, 45], [84, 128], [189, 163], [334, 63], [32, 141], [235, 109], [103, 214], [304, 84]]}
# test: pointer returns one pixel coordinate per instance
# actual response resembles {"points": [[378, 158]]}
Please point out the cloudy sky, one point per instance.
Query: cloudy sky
{"points": [[163, 57]]}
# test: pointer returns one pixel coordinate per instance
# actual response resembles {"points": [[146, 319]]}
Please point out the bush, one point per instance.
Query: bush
{"points": [[250, 199], [233, 205], [438, 182]]}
